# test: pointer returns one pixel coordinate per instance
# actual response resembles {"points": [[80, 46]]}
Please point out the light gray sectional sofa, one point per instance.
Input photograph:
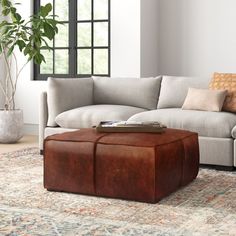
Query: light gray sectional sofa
{"points": [[71, 104]]}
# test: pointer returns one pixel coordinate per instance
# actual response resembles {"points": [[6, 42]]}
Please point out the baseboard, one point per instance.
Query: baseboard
{"points": [[218, 167], [31, 129]]}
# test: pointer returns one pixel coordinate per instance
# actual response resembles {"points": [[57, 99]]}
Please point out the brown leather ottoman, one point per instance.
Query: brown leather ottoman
{"points": [[135, 166]]}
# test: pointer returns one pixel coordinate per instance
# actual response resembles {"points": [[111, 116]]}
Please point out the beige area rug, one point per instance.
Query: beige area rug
{"points": [[205, 207]]}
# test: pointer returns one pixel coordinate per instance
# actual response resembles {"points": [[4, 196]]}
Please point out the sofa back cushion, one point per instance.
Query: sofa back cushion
{"points": [[137, 92], [174, 90], [66, 94]]}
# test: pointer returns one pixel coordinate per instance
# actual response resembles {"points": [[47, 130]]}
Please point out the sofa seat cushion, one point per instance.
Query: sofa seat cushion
{"points": [[205, 123], [88, 116]]}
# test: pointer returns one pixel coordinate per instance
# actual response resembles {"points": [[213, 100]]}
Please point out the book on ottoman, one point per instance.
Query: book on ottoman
{"points": [[130, 126]]}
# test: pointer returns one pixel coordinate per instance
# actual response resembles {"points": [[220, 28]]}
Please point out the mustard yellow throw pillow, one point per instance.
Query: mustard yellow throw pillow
{"points": [[226, 81]]}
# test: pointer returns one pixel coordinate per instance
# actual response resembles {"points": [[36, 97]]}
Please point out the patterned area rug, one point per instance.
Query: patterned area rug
{"points": [[205, 207]]}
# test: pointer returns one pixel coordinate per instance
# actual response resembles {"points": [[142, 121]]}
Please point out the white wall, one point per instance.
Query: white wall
{"points": [[125, 38], [134, 38], [197, 37], [149, 38]]}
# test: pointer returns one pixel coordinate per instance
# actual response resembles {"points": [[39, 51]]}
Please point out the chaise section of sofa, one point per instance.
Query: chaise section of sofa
{"points": [[214, 128]]}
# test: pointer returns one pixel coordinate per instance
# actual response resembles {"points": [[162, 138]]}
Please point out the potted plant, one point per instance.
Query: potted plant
{"points": [[29, 36]]}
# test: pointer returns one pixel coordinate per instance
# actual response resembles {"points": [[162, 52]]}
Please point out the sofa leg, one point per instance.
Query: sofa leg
{"points": [[41, 152]]}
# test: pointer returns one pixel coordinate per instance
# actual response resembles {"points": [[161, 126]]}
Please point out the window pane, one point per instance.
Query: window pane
{"points": [[84, 35], [62, 10], [47, 68], [84, 61], [49, 42], [61, 62], [101, 34], [44, 2], [61, 39], [101, 61], [84, 9], [100, 9]]}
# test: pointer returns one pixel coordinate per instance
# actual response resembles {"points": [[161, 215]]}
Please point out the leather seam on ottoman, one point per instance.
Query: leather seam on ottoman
{"points": [[94, 163]]}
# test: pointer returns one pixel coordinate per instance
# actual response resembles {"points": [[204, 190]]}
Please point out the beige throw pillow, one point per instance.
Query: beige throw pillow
{"points": [[204, 99]]}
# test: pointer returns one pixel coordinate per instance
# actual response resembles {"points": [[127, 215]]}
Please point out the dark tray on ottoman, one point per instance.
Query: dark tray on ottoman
{"points": [[134, 166]]}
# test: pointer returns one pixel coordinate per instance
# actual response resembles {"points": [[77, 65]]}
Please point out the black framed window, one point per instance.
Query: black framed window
{"points": [[82, 46]]}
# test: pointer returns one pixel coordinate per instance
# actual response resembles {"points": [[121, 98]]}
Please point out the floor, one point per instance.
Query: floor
{"points": [[25, 142]]}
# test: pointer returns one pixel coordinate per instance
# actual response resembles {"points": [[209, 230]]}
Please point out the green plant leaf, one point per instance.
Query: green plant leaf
{"points": [[6, 11], [6, 3], [27, 49], [10, 51], [37, 42], [16, 17], [48, 7], [56, 29], [44, 10], [43, 58], [13, 10], [8, 44], [21, 44], [38, 58], [3, 23], [5, 29], [54, 22], [48, 30], [23, 35]]}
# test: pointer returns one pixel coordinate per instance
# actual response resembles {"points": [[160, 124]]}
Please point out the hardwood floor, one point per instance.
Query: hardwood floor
{"points": [[26, 141]]}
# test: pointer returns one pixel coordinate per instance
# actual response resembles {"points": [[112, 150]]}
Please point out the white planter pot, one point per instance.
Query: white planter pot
{"points": [[11, 126]]}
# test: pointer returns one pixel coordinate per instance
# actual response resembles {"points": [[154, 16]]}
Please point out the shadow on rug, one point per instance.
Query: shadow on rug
{"points": [[205, 207]]}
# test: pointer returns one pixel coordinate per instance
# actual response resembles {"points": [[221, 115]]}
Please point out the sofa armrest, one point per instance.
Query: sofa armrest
{"points": [[233, 132], [67, 94], [43, 117]]}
